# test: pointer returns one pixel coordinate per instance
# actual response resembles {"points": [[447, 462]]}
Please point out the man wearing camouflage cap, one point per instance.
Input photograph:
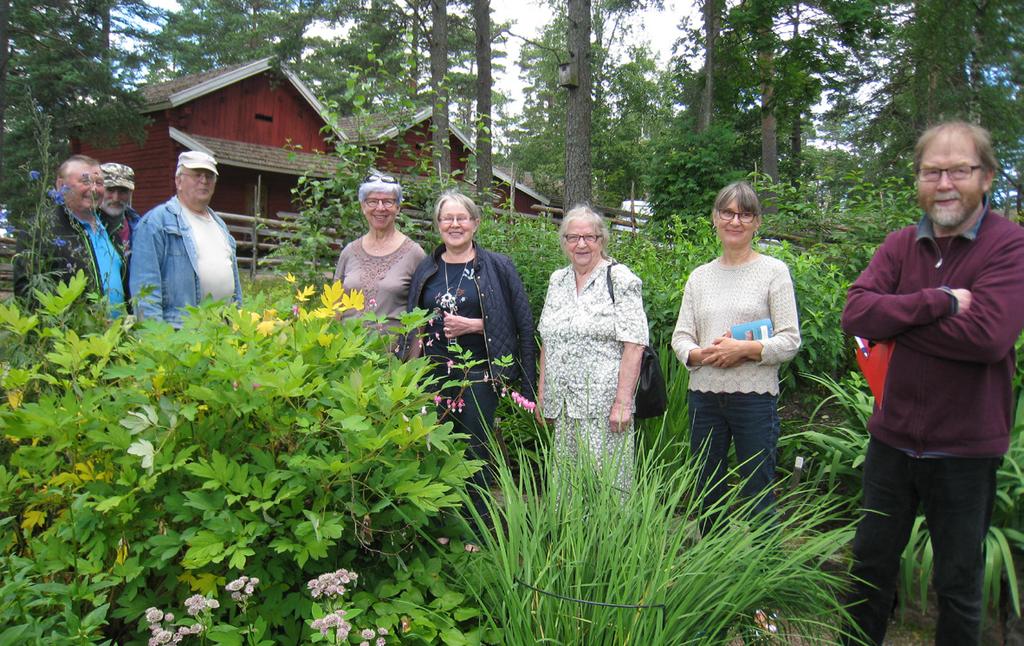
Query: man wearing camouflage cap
{"points": [[118, 186]]}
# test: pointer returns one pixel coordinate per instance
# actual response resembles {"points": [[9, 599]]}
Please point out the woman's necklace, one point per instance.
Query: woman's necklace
{"points": [[449, 301]]}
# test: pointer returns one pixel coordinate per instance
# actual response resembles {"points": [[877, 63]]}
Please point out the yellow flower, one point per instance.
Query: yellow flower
{"points": [[354, 300], [290, 278], [14, 397], [302, 295], [332, 295], [266, 327], [122, 551]]}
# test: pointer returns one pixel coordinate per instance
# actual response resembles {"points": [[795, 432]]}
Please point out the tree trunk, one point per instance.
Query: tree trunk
{"points": [[974, 69], [5, 57], [438, 68], [484, 83], [769, 142], [712, 25], [578, 108], [796, 134]]}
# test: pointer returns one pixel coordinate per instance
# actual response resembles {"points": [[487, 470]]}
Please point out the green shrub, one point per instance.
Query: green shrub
{"points": [[147, 464], [582, 562]]}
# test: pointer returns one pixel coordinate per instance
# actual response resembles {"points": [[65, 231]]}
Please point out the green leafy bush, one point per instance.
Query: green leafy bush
{"points": [[582, 562], [146, 464]]}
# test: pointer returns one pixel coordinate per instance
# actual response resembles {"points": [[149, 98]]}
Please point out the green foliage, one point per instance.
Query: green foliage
{"points": [[73, 62], [832, 450], [688, 168], [583, 562], [146, 464], [630, 103]]}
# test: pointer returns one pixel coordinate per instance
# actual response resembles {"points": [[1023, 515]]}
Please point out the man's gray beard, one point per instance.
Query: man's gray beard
{"points": [[948, 220], [118, 213]]}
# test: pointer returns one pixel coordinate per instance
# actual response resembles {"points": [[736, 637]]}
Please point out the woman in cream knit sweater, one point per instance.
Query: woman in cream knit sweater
{"points": [[734, 382]]}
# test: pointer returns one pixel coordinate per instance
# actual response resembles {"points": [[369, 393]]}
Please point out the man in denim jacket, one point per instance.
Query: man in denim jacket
{"points": [[182, 251]]}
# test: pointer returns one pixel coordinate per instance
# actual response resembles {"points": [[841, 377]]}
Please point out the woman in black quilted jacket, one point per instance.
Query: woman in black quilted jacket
{"points": [[480, 307]]}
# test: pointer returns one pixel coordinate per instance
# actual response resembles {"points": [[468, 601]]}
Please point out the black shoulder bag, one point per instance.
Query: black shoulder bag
{"points": [[651, 398]]}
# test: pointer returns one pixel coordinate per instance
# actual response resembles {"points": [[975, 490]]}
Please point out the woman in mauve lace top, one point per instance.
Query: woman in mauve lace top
{"points": [[380, 263]]}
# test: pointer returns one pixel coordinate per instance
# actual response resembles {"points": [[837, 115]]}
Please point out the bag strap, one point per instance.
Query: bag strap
{"points": [[608, 277]]}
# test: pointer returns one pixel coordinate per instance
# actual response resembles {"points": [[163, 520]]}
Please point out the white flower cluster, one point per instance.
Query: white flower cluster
{"points": [[160, 635], [332, 584], [197, 603], [334, 620], [242, 588], [368, 634]]}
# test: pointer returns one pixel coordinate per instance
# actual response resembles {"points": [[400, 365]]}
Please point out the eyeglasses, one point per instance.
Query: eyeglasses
{"points": [[373, 203], [957, 173], [574, 238], [727, 215], [451, 219], [374, 177]]}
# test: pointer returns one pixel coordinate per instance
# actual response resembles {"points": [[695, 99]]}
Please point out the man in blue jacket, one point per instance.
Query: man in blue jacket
{"points": [[182, 251]]}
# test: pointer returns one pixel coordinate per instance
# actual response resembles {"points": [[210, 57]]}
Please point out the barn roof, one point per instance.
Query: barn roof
{"points": [[265, 158], [159, 96]]}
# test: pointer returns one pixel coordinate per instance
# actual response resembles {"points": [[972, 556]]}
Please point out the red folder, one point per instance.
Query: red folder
{"points": [[873, 359]]}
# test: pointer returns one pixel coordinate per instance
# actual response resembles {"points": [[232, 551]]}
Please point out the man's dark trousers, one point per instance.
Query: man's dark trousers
{"points": [[957, 495]]}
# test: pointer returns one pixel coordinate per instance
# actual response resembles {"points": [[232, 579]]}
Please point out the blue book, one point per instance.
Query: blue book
{"points": [[761, 329]]}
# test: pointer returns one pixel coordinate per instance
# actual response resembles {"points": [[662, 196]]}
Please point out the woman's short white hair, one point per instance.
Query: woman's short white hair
{"points": [[374, 185], [584, 213]]}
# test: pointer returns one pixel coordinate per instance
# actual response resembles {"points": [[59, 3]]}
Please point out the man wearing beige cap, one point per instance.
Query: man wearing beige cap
{"points": [[182, 251], [118, 186]]}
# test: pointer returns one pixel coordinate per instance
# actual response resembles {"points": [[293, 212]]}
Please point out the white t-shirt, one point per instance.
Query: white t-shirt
{"points": [[216, 271]]}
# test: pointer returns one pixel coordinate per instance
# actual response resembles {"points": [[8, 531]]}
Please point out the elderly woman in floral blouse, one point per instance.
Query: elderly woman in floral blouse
{"points": [[592, 345]]}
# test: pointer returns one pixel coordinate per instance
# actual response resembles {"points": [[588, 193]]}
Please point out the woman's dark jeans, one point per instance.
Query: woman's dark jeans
{"points": [[751, 421], [477, 421], [957, 495]]}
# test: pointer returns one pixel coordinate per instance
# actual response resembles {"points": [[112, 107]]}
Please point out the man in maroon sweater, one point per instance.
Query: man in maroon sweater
{"points": [[949, 292]]}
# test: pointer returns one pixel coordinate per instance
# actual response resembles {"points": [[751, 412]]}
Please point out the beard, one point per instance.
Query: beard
{"points": [[113, 209], [951, 216]]}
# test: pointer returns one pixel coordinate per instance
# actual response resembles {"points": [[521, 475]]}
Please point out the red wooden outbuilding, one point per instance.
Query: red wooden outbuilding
{"points": [[264, 128]]}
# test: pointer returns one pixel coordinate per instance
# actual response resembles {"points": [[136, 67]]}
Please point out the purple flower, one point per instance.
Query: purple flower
{"points": [[56, 196], [154, 615], [34, 175], [60, 243]]}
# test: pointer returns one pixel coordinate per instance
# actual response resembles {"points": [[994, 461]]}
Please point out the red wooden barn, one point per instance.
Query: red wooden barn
{"points": [[243, 115], [264, 128]]}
